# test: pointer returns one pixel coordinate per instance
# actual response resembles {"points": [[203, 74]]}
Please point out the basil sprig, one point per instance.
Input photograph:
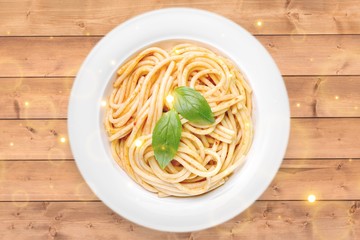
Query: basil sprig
{"points": [[167, 132], [192, 106], [166, 137]]}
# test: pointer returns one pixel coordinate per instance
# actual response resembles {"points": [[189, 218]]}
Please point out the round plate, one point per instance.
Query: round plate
{"points": [[90, 146]]}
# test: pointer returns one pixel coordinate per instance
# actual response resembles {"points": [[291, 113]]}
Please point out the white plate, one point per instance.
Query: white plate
{"points": [[90, 146]]}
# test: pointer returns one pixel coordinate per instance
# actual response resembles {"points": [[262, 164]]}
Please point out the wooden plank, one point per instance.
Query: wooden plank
{"points": [[263, 220], [324, 138], [42, 180], [34, 139], [296, 179], [315, 55], [326, 179], [297, 55], [34, 97], [326, 96], [309, 138], [24, 18], [43, 56]]}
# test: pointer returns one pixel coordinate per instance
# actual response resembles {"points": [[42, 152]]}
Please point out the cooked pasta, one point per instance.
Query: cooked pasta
{"points": [[207, 154]]}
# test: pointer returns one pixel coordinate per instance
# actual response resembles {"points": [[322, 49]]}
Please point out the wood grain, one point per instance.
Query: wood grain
{"points": [[309, 138], [295, 55], [25, 18], [43, 56], [34, 97], [42, 180], [315, 55], [263, 220], [34, 139], [324, 138], [61, 181], [325, 96], [327, 179]]}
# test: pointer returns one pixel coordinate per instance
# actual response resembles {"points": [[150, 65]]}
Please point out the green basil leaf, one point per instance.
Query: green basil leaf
{"points": [[166, 137], [192, 106]]}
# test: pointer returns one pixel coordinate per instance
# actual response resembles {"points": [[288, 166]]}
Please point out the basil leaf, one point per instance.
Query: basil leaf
{"points": [[166, 137], [192, 106]]}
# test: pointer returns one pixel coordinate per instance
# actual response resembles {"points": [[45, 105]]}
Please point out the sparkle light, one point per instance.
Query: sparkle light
{"points": [[138, 142], [356, 107], [87, 34], [177, 51], [8, 32], [336, 97], [170, 98], [26, 104], [51, 37], [62, 139], [311, 198], [259, 23], [11, 144], [298, 105], [103, 103], [113, 62]]}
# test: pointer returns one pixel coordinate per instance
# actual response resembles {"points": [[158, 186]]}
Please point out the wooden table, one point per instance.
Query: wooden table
{"points": [[316, 45]]}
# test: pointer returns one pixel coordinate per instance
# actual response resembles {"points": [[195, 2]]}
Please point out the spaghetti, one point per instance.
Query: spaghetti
{"points": [[207, 154]]}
